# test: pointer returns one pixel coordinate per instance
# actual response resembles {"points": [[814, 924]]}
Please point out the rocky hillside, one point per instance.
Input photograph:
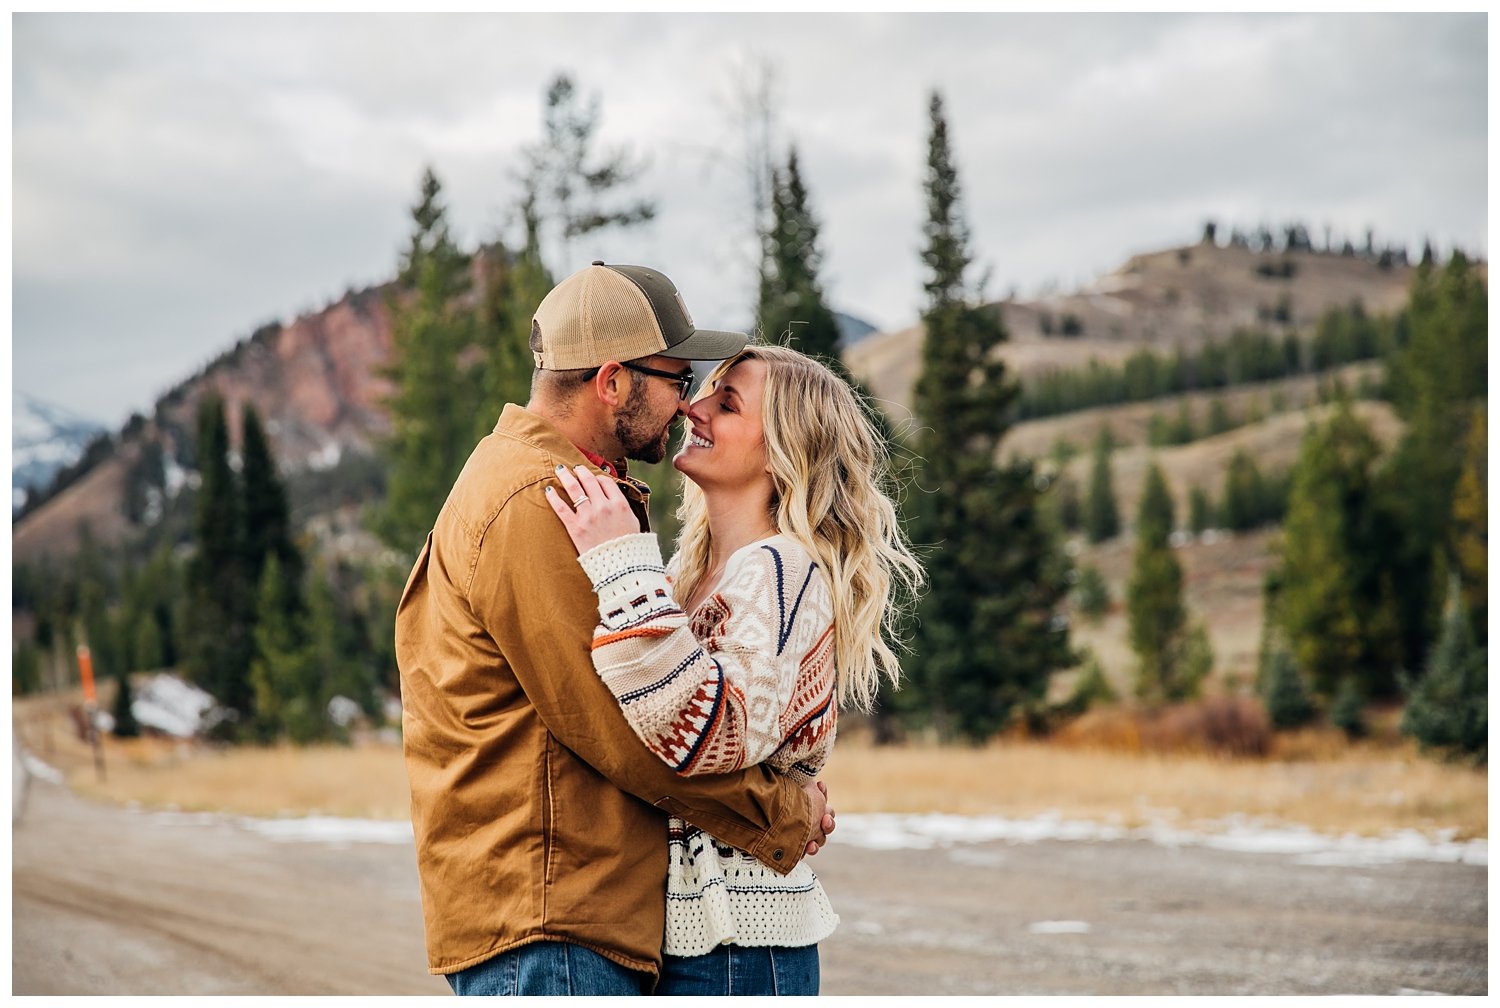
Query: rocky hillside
{"points": [[317, 381], [1183, 296]]}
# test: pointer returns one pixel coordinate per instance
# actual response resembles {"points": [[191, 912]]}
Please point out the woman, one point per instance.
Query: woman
{"points": [[776, 611]]}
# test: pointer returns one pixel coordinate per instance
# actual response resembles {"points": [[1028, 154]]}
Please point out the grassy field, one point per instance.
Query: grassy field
{"points": [[1314, 780]]}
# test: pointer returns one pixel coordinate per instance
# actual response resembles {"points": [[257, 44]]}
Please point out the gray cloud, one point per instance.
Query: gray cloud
{"points": [[178, 180]]}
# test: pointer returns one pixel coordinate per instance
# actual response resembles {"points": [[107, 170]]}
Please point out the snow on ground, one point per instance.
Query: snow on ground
{"points": [[34, 767], [887, 831], [169, 704], [893, 831], [330, 829]]}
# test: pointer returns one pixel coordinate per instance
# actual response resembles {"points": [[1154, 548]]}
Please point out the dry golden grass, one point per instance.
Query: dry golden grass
{"points": [[366, 781], [1314, 779], [1364, 791]]}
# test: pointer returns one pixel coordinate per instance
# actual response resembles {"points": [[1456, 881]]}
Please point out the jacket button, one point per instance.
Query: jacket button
{"points": [[776, 854]]}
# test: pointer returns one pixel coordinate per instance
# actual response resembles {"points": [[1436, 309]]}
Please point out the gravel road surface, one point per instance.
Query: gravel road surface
{"points": [[113, 901]]}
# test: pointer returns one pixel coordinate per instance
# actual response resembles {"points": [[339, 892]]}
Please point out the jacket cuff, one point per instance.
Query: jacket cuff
{"points": [[629, 578]]}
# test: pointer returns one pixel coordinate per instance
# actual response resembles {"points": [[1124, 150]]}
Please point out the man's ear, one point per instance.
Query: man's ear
{"points": [[609, 384]]}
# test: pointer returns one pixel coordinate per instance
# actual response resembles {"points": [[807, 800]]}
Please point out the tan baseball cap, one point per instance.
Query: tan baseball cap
{"points": [[620, 313]]}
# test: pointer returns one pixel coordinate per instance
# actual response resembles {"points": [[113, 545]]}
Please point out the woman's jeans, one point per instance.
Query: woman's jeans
{"points": [[734, 969]]}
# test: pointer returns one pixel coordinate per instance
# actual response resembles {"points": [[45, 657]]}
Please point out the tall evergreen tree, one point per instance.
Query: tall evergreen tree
{"points": [[218, 604], [1469, 528], [1244, 503], [989, 632], [514, 284], [1101, 515], [1348, 710], [792, 306], [1200, 510], [1285, 693], [334, 648], [572, 187], [1336, 602], [126, 726], [268, 523], [1436, 378], [437, 384], [1153, 598], [281, 674], [1449, 705]]}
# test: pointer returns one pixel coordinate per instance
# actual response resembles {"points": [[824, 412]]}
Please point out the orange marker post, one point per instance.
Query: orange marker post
{"points": [[86, 674], [91, 706]]}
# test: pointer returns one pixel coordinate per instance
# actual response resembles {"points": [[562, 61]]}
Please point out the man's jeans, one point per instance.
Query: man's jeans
{"points": [[549, 968], [732, 969]]}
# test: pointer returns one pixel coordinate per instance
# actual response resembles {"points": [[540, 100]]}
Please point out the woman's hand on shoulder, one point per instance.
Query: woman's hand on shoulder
{"points": [[591, 507]]}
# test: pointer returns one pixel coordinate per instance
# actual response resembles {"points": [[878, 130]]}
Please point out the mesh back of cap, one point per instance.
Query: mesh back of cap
{"points": [[595, 315]]}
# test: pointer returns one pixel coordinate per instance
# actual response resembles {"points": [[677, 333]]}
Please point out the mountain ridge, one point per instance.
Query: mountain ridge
{"points": [[319, 386]]}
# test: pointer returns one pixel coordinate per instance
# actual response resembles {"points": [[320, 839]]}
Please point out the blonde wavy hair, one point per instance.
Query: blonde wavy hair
{"points": [[832, 493]]}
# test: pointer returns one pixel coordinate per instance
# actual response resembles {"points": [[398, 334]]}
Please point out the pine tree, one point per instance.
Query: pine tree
{"points": [[268, 523], [1218, 417], [1091, 689], [1153, 597], [1348, 710], [1101, 515], [989, 634], [1286, 699], [1196, 665], [1243, 502], [1200, 511], [218, 605], [437, 384], [1336, 604], [567, 183], [333, 649], [285, 679], [1435, 378], [25, 668], [1092, 593], [155, 592], [513, 286], [792, 306], [1468, 537], [126, 725], [1449, 706], [1067, 507]]}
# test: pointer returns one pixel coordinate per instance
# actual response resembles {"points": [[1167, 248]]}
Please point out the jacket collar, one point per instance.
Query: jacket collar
{"points": [[518, 421]]}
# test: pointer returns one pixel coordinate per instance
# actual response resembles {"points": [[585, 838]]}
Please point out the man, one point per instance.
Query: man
{"points": [[540, 818]]}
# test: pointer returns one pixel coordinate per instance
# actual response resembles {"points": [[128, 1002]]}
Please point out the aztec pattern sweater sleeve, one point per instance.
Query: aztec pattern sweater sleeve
{"points": [[749, 680]]}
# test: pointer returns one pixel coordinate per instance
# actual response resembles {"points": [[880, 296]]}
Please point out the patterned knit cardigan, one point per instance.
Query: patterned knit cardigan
{"points": [[748, 678]]}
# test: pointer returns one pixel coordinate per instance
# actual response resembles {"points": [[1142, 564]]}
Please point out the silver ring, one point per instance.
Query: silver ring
{"points": [[580, 503]]}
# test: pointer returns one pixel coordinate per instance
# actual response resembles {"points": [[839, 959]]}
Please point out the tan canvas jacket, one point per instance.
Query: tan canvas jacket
{"points": [[538, 814]]}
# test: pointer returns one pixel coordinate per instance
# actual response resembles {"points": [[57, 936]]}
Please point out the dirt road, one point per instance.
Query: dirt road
{"points": [[111, 901]]}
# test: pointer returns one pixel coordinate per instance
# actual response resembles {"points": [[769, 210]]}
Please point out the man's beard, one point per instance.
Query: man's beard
{"points": [[633, 428]]}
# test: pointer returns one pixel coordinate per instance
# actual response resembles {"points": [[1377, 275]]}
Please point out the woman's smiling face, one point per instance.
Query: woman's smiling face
{"points": [[725, 442]]}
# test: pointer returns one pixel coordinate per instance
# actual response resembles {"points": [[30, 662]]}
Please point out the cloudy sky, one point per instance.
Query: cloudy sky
{"points": [[178, 180]]}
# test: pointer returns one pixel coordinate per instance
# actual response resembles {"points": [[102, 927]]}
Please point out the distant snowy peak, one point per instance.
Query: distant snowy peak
{"points": [[44, 438]]}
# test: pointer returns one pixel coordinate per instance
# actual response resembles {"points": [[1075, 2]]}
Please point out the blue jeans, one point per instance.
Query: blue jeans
{"points": [[734, 969], [549, 968]]}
